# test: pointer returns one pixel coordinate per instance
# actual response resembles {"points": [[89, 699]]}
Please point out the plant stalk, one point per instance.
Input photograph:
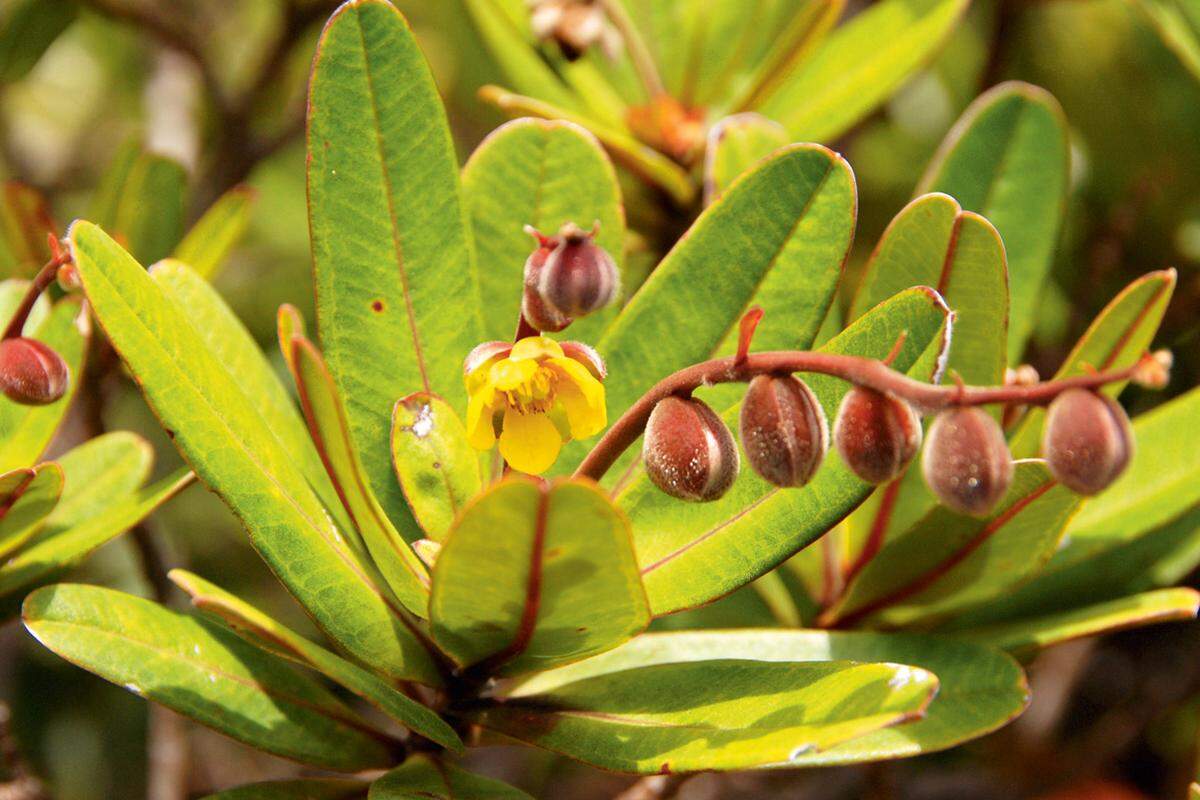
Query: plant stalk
{"points": [[926, 398]]}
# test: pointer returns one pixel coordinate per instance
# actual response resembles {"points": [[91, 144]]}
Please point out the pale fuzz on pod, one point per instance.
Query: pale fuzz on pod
{"points": [[1087, 441], [966, 462], [688, 451], [783, 430], [876, 434]]}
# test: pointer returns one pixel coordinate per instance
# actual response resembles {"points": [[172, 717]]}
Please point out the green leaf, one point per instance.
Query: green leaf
{"points": [[641, 159], [25, 220], [1177, 22], [395, 274], [980, 689], [860, 65], [693, 553], [933, 242], [27, 29], [504, 27], [1118, 336], [1007, 158], [261, 630], [229, 444], [26, 431], [535, 575], [59, 549], [1110, 547], [726, 712], [777, 239], [98, 474], [235, 347], [141, 203], [26, 507], [435, 464], [304, 789], [213, 237], [202, 671], [422, 778], [948, 562], [735, 145], [330, 426], [544, 174], [1025, 637]]}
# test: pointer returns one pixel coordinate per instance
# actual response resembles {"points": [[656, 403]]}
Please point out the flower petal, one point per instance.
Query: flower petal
{"points": [[479, 420], [529, 442], [535, 347], [575, 373], [509, 374], [584, 418]]}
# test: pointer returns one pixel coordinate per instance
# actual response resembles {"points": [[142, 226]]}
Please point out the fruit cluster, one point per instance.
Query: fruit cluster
{"points": [[690, 454]]}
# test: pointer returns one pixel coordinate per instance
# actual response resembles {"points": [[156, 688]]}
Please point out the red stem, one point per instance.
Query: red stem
{"points": [[924, 397], [38, 285]]}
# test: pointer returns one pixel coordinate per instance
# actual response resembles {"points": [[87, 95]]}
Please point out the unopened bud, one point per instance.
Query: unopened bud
{"points": [[1088, 440], [876, 434], [576, 25], [966, 463], [783, 430], [579, 276], [68, 278], [534, 308], [31, 373], [688, 451]]}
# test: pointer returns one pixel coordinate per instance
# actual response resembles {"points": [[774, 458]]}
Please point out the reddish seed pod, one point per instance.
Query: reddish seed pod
{"points": [[533, 306], [876, 434], [1088, 440], [966, 461], [579, 276], [783, 430], [31, 373], [689, 453]]}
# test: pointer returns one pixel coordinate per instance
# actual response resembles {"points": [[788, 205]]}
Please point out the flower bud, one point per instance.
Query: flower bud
{"points": [[967, 464], [1087, 441], [31, 373], [783, 430], [536, 311], [876, 434], [689, 453], [578, 276]]}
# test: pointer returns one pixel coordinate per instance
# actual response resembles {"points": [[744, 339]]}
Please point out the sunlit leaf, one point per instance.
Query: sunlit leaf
{"points": [[1007, 158], [207, 245], [260, 629], [435, 464], [227, 442], [545, 174], [645, 716], [535, 575], [980, 689], [395, 275], [202, 671], [860, 65], [735, 144], [26, 507]]}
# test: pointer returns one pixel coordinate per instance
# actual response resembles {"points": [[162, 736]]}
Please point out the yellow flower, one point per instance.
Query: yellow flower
{"points": [[535, 395]]}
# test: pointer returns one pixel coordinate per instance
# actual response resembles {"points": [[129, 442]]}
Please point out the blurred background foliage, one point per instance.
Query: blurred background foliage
{"points": [[1118, 715]]}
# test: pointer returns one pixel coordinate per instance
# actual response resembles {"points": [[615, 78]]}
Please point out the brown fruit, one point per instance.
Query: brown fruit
{"points": [[689, 453], [1087, 441], [783, 430], [966, 461], [31, 373], [876, 434], [579, 276]]}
